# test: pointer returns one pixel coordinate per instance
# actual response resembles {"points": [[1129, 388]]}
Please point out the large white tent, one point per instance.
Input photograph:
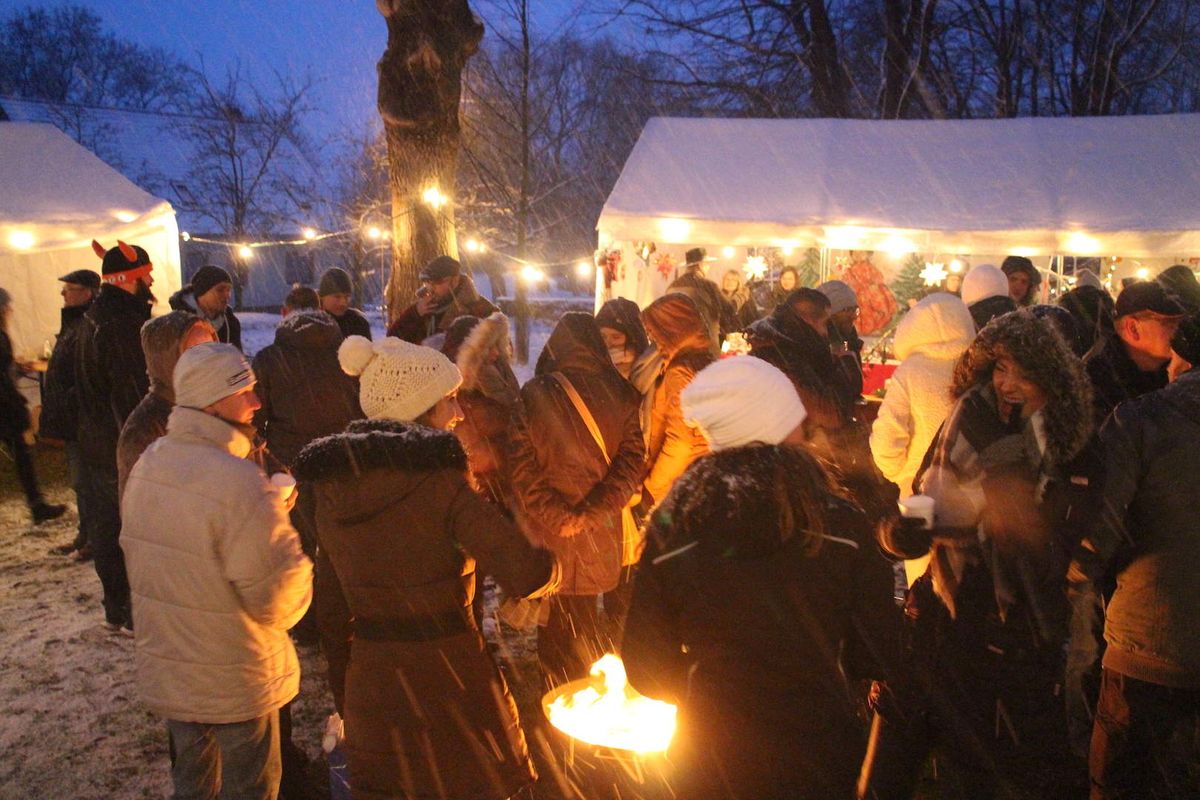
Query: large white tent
{"points": [[56, 197], [1120, 186]]}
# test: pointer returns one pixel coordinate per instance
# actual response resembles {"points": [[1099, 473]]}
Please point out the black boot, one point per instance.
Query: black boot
{"points": [[44, 512]]}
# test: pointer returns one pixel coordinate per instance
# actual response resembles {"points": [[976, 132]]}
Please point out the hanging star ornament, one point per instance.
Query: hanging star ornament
{"points": [[933, 274], [755, 267]]}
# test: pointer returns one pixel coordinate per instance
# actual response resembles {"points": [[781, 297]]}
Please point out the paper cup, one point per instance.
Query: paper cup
{"points": [[284, 483], [919, 506]]}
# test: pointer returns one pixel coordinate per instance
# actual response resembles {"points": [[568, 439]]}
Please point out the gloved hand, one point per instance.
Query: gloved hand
{"points": [[906, 537]]}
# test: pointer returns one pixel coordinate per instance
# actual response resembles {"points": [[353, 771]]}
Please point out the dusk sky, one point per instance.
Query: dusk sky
{"points": [[336, 41]]}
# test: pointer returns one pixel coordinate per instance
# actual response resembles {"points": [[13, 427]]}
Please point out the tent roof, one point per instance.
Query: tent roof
{"points": [[58, 194], [1075, 186]]}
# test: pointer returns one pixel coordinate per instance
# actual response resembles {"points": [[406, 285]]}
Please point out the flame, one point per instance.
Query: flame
{"points": [[604, 710]]}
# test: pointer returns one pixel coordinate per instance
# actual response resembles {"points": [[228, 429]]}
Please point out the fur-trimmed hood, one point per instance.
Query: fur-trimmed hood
{"points": [[1046, 360], [483, 360], [376, 444]]}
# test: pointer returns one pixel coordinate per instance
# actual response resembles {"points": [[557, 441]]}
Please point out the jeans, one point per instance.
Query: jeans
{"points": [[232, 761], [1146, 742], [1084, 651], [104, 537]]}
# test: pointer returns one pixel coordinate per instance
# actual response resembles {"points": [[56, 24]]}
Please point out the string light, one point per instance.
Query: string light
{"points": [[245, 252], [532, 274], [309, 234], [727, 252], [473, 246], [583, 269], [374, 233], [21, 240], [433, 197], [1143, 273], [956, 266]]}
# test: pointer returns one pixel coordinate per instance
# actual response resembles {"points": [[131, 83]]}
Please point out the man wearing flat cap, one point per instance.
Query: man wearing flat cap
{"points": [[446, 294], [716, 310], [208, 296], [60, 417]]}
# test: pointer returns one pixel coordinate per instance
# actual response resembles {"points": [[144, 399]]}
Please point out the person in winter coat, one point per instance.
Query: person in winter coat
{"points": [[678, 330], [768, 296], [60, 413], [983, 683], [489, 396], [217, 581], [985, 291], [737, 294], [110, 381], [570, 489], [15, 420], [716, 310], [208, 296], [1093, 312], [445, 295], [164, 339], [336, 292], [929, 341], [427, 712], [1023, 280], [760, 596], [1143, 742], [304, 393], [638, 361], [847, 345], [1134, 361]]}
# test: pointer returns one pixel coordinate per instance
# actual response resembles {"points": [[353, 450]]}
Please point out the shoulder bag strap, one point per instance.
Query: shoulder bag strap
{"points": [[588, 420]]}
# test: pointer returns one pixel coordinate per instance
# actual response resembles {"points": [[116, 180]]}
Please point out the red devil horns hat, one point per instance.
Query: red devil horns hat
{"points": [[125, 263]]}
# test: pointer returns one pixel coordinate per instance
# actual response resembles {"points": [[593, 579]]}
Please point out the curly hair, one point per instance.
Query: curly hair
{"points": [[1042, 354]]}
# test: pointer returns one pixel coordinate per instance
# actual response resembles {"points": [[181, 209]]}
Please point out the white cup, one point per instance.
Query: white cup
{"points": [[919, 506], [284, 483]]}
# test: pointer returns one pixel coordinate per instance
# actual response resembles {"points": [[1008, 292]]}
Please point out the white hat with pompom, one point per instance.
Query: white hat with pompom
{"points": [[397, 380]]}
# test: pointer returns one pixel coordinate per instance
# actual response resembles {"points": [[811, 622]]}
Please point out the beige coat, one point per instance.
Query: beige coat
{"points": [[217, 576]]}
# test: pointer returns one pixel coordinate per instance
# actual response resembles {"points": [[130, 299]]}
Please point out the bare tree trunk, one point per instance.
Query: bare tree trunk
{"points": [[420, 84], [522, 301], [830, 85]]}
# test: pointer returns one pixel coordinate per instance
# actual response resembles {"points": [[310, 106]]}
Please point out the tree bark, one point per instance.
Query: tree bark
{"points": [[420, 84]]}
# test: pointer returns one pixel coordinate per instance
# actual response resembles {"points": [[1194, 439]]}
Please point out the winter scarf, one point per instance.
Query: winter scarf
{"points": [[988, 475]]}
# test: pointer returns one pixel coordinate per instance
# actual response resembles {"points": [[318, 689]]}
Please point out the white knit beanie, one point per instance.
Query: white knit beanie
{"points": [[210, 372], [397, 380], [1085, 277], [982, 282], [739, 400], [840, 295]]}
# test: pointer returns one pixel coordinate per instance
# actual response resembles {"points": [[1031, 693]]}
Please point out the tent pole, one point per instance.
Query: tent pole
{"points": [[824, 276]]}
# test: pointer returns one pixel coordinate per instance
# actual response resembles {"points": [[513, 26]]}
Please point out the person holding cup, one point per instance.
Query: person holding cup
{"points": [[983, 684]]}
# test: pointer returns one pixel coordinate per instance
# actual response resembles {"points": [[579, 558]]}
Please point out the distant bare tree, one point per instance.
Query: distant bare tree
{"points": [[250, 174]]}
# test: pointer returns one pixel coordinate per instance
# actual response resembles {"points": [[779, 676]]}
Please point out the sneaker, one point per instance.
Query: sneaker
{"points": [[44, 512]]}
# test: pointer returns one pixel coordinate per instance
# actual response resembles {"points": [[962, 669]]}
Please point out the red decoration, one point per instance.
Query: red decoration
{"points": [[876, 303], [665, 265]]}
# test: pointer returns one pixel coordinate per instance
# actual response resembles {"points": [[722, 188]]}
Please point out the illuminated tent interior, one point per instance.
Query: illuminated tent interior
{"points": [[1042, 187], [57, 196]]}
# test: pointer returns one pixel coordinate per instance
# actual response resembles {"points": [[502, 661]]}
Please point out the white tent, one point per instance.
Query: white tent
{"points": [[1127, 186], [56, 197]]}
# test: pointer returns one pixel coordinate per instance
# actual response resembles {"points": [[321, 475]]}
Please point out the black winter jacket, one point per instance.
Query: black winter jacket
{"points": [[60, 414], [559, 473], [14, 414], [754, 629], [302, 388], [353, 323], [1115, 378], [1149, 530], [110, 371], [229, 333]]}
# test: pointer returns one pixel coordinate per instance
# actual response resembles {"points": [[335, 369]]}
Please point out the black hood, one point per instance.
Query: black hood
{"points": [[787, 328], [575, 345], [624, 316], [308, 330]]}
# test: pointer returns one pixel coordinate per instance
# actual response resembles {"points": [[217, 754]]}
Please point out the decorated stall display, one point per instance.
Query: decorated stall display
{"points": [[876, 305]]}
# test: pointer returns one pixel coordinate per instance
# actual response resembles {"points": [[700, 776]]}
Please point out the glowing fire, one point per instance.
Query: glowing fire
{"points": [[604, 710]]}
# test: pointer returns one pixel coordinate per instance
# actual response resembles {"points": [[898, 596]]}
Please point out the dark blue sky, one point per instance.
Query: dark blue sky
{"points": [[336, 41]]}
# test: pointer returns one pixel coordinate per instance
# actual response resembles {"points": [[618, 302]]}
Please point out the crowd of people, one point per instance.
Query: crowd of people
{"points": [[730, 526]]}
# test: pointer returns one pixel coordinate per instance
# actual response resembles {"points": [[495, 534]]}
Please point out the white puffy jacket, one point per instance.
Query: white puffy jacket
{"points": [[217, 576], [929, 341]]}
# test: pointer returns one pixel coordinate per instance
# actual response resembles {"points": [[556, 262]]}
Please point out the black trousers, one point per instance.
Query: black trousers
{"points": [[104, 537], [26, 473], [572, 640], [1146, 740]]}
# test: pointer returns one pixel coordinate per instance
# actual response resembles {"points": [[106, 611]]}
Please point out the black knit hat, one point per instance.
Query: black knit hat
{"points": [[335, 281], [207, 277], [441, 268], [1186, 341]]}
